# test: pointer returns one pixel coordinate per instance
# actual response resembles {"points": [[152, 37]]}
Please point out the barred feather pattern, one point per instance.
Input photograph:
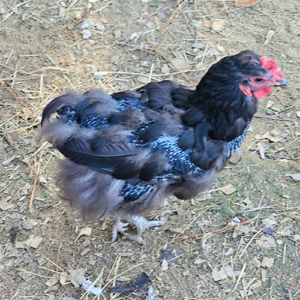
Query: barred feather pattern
{"points": [[179, 159]]}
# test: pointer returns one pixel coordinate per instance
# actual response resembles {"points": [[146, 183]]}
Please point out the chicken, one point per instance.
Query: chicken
{"points": [[126, 152]]}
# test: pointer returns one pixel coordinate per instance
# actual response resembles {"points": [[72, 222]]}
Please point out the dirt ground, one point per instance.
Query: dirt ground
{"points": [[46, 250]]}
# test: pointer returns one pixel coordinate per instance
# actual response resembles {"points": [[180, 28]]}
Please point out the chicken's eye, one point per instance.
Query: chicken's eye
{"points": [[258, 80]]}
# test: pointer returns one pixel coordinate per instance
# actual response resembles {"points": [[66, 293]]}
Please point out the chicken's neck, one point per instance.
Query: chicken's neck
{"points": [[227, 111]]}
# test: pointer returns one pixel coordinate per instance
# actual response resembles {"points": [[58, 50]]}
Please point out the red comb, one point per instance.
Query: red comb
{"points": [[271, 66]]}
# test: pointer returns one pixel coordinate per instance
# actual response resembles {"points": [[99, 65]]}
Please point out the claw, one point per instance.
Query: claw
{"points": [[118, 227], [137, 239]]}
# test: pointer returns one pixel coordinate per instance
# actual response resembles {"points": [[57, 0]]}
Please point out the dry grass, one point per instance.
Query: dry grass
{"points": [[45, 55]]}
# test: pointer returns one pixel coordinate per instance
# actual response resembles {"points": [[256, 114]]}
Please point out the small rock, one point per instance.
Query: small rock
{"points": [[269, 230], [86, 34], [162, 15], [199, 45], [218, 25], [100, 77], [220, 48], [269, 37], [78, 52], [298, 114]]}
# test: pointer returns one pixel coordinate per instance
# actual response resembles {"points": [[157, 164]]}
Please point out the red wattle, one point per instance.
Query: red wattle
{"points": [[262, 93]]}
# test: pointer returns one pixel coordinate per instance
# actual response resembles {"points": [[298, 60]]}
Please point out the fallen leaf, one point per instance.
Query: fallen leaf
{"points": [[286, 231], [256, 262], [165, 69], [268, 222], [263, 275], [270, 137], [296, 237], [267, 262], [270, 104], [229, 252], [53, 280], [243, 294], [256, 285], [228, 189], [77, 277], [84, 231], [229, 271], [218, 25], [34, 241], [219, 274], [19, 245], [294, 176], [4, 205], [181, 63], [42, 179], [164, 265], [143, 79], [139, 283], [266, 242], [199, 261], [63, 277], [240, 229], [169, 254]]}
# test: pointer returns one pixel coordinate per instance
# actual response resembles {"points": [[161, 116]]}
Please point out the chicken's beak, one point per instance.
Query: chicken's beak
{"points": [[282, 83]]}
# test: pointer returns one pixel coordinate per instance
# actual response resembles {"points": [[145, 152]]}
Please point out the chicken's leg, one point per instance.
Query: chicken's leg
{"points": [[141, 224], [118, 227]]}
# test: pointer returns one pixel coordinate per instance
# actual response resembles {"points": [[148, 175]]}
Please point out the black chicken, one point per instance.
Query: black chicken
{"points": [[130, 150]]}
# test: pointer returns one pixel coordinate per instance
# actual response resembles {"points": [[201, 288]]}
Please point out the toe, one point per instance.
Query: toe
{"points": [[137, 239]]}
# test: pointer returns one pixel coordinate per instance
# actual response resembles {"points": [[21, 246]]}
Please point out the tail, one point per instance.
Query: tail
{"points": [[72, 111]]}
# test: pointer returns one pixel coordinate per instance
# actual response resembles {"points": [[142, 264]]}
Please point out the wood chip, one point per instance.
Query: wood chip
{"points": [[263, 275], [34, 241], [219, 274], [4, 205], [267, 262], [256, 262], [240, 230], [228, 189], [269, 37], [266, 242], [77, 277], [218, 25], [84, 231], [53, 280]]}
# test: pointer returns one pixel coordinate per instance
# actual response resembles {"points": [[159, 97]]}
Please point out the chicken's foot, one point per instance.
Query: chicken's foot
{"points": [[141, 224], [118, 227], [137, 221]]}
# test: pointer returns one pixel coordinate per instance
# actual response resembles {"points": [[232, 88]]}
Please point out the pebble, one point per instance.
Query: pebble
{"points": [[86, 34], [78, 52]]}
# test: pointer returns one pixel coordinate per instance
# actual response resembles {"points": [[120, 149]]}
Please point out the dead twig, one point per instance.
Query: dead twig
{"points": [[15, 96], [83, 17], [220, 230]]}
